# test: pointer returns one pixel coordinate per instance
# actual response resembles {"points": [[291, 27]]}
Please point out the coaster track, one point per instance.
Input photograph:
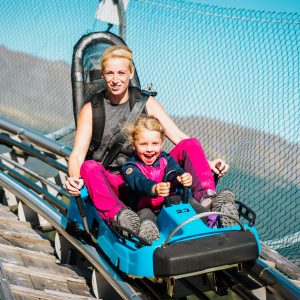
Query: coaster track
{"points": [[32, 173]]}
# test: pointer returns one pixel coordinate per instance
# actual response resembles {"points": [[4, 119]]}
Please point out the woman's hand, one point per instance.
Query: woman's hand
{"points": [[73, 185], [185, 179], [219, 167], [82, 141], [161, 189]]}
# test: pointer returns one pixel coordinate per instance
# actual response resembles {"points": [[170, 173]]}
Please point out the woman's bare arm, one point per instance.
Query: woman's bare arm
{"points": [[82, 141], [175, 135]]}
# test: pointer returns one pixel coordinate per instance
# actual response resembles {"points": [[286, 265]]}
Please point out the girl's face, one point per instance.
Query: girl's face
{"points": [[148, 146], [116, 73]]}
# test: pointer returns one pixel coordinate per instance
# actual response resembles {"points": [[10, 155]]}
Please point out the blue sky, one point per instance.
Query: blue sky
{"points": [[48, 28], [269, 5]]}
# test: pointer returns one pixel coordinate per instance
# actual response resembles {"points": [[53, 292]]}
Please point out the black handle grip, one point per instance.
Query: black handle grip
{"points": [[185, 188], [80, 206], [185, 199]]}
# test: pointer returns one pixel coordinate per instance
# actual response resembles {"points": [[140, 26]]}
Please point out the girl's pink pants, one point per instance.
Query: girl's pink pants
{"points": [[103, 186]]}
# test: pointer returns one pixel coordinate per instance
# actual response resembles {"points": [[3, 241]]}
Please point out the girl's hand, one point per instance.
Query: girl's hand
{"points": [[161, 189], [185, 179], [73, 185], [219, 167]]}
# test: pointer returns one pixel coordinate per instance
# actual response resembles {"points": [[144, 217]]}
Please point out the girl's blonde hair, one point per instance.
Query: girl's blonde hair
{"points": [[144, 122], [120, 52]]}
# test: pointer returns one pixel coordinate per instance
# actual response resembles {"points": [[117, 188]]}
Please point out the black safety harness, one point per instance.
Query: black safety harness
{"points": [[137, 102]]}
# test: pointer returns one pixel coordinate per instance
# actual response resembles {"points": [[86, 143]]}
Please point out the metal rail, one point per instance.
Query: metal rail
{"points": [[280, 284], [60, 205], [32, 151], [35, 137], [56, 187]]}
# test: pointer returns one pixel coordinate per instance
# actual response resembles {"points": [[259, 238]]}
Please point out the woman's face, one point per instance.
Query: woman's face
{"points": [[116, 73], [148, 145]]}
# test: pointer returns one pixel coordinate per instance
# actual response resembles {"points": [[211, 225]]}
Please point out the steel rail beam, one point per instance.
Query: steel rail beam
{"points": [[32, 151], [274, 280], [35, 137], [60, 205], [56, 187]]}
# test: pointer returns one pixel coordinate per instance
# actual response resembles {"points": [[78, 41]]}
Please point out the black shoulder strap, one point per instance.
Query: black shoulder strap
{"points": [[134, 96], [98, 113], [137, 109]]}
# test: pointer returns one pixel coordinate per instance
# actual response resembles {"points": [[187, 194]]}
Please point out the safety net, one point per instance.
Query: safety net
{"points": [[228, 76]]}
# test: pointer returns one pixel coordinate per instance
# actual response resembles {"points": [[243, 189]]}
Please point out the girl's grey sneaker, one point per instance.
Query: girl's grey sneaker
{"points": [[229, 209], [224, 196], [224, 201], [128, 219], [149, 230]]}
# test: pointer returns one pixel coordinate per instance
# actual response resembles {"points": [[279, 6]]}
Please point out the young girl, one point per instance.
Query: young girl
{"points": [[144, 172]]}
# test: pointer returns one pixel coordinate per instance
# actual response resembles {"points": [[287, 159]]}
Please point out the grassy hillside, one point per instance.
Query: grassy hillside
{"points": [[35, 92]]}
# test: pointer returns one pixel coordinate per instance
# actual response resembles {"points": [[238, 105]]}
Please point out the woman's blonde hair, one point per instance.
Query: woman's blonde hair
{"points": [[144, 122], [120, 52]]}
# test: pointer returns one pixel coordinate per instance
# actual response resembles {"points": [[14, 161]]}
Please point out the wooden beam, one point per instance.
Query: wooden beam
{"points": [[43, 273], [22, 251], [14, 222], [34, 239], [46, 294]]}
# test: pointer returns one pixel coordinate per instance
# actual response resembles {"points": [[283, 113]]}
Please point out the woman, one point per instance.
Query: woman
{"points": [[103, 185]]}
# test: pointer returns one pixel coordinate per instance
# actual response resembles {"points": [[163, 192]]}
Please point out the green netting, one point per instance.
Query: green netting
{"points": [[229, 77]]}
